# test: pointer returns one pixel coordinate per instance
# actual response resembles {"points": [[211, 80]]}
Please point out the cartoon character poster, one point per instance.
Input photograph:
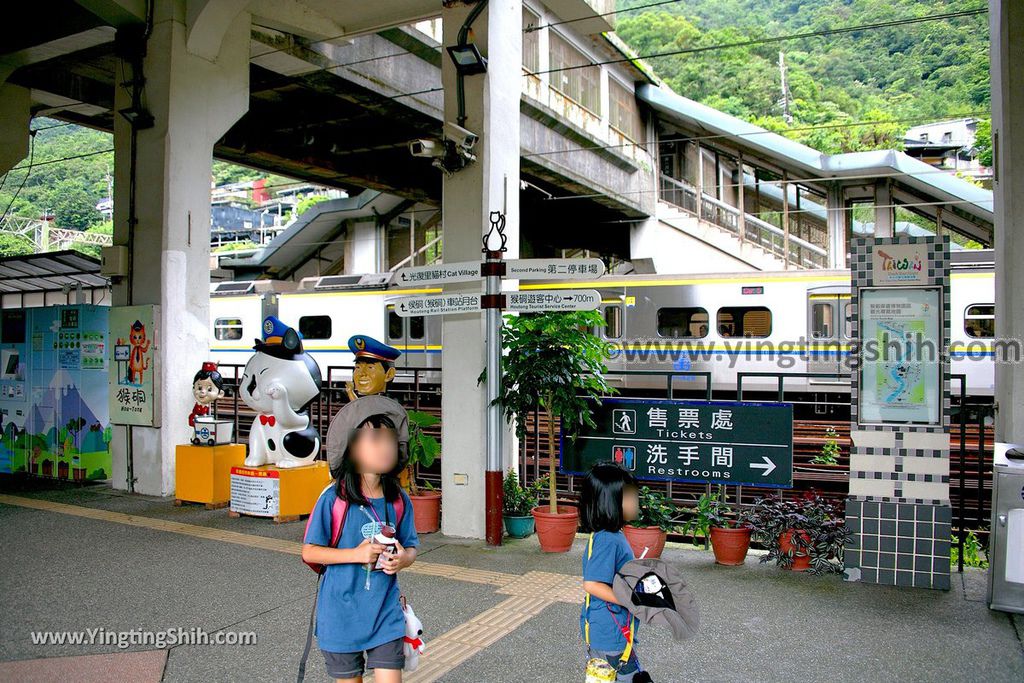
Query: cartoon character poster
{"points": [[132, 361]]}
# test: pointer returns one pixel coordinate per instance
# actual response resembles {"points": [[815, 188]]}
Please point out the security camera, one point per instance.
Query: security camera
{"points": [[426, 148], [463, 138]]}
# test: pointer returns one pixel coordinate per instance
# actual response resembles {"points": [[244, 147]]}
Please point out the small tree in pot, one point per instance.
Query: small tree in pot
{"points": [[554, 361], [518, 503], [712, 519], [805, 534], [423, 450], [650, 529]]}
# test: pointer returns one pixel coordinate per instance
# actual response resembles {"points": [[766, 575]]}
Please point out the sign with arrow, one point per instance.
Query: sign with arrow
{"points": [[464, 271], [722, 442], [553, 300], [553, 268], [438, 304]]}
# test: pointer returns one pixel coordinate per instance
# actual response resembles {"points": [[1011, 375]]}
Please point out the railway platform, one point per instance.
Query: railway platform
{"points": [[80, 558]]}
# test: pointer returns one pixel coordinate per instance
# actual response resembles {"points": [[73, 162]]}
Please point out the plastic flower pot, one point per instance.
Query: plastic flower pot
{"points": [[801, 563], [426, 509], [518, 527], [556, 531], [730, 544], [650, 537]]}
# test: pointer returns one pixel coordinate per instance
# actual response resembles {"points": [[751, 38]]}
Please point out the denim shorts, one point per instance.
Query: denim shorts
{"points": [[628, 669], [389, 655]]}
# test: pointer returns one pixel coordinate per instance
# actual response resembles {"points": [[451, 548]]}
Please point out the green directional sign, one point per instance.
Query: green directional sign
{"points": [[725, 442]]}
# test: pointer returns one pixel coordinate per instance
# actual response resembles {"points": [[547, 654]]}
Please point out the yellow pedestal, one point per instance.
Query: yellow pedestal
{"points": [[203, 473], [285, 494]]}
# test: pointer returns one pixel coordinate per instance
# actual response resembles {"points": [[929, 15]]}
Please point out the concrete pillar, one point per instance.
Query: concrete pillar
{"points": [[15, 114], [492, 111], [885, 215], [193, 102], [364, 238], [837, 244], [1006, 19]]}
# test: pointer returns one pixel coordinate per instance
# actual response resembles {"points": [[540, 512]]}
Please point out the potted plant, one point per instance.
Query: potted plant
{"points": [[650, 529], [518, 503], [423, 450], [552, 360], [804, 534], [712, 519]]}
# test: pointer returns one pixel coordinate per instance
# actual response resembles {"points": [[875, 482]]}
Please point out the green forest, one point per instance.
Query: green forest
{"points": [[897, 76]]}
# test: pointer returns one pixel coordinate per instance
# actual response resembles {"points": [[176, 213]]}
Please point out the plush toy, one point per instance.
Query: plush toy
{"points": [[280, 381], [413, 643]]}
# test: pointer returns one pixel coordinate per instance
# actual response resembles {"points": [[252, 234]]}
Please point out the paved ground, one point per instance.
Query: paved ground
{"points": [[79, 558]]}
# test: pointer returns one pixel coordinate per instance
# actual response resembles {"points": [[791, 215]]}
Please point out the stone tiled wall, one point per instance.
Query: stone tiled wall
{"points": [[898, 508]]}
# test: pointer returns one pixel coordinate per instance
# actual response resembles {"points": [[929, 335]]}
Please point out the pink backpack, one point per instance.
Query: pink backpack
{"points": [[338, 511]]}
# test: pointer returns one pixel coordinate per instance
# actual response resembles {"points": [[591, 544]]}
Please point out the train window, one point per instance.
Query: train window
{"points": [[980, 320], [744, 321], [848, 320], [394, 325], [416, 327], [821, 321], [613, 322], [227, 329], [315, 326], [683, 323]]}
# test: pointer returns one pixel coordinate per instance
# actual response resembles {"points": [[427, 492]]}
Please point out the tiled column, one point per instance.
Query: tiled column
{"points": [[898, 508]]}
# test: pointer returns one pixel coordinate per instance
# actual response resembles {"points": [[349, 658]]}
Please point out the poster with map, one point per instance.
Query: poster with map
{"points": [[901, 363]]}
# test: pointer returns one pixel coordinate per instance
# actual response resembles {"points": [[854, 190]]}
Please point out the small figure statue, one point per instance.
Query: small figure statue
{"points": [[280, 382], [207, 387], [375, 366]]}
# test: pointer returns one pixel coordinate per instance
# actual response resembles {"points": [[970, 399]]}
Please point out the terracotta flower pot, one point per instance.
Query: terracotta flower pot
{"points": [[730, 544], [801, 563], [426, 509], [650, 537], [556, 532]]}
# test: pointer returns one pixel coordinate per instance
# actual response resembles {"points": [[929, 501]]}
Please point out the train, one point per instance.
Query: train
{"points": [[794, 322]]}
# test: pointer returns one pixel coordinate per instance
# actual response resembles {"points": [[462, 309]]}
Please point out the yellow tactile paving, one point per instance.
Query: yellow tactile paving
{"points": [[529, 593]]}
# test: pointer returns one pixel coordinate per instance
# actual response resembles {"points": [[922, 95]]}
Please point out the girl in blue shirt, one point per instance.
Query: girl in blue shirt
{"points": [[358, 611], [609, 499]]}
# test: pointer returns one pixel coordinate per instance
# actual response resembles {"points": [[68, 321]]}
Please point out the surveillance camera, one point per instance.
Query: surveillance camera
{"points": [[463, 138], [426, 148]]}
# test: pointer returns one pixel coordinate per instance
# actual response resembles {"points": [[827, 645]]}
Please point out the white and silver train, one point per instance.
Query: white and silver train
{"points": [[725, 323]]}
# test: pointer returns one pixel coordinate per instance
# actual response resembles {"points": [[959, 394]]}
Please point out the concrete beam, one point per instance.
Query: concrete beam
{"points": [[15, 114], [1006, 25]]}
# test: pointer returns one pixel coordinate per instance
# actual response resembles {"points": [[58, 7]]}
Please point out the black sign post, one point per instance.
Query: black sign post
{"points": [[724, 442]]}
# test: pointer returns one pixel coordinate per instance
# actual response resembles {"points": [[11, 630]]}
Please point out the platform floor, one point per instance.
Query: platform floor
{"points": [[86, 558]]}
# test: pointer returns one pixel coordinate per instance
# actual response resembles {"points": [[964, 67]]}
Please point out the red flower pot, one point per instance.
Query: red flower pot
{"points": [[426, 509], [730, 544], [650, 537], [801, 563], [556, 531]]}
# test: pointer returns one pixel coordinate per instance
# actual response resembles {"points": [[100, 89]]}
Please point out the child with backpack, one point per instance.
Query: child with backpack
{"points": [[609, 499], [359, 619]]}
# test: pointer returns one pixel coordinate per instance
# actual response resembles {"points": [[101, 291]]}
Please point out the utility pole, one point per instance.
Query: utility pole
{"points": [[786, 115]]}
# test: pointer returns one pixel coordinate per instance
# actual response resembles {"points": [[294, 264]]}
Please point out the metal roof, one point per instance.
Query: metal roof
{"points": [[49, 272]]}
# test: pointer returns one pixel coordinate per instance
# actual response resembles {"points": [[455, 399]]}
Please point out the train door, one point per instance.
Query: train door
{"points": [[408, 335], [612, 332], [828, 329]]}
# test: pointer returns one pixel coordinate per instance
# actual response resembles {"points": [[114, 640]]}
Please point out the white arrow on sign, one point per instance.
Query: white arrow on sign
{"points": [[446, 272], [768, 466], [437, 304], [553, 268], [553, 300]]}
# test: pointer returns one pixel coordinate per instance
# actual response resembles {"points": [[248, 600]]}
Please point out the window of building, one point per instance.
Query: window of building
{"points": [[531, 42], [571, 76], [623, 113], [613, 322], [821, 321], [315, 326], [683, 323], [744, 321], [227, 329], [980, 320]]}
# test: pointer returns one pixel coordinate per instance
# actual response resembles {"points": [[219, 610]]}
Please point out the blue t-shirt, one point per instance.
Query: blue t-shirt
{"points": [[350, 618], [611, 551]]}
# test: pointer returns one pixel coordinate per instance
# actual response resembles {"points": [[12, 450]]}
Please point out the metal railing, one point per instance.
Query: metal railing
{"points": [[756, 231]]}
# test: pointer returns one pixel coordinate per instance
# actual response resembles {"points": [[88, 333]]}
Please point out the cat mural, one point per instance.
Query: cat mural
{"points": [[280, 382]]}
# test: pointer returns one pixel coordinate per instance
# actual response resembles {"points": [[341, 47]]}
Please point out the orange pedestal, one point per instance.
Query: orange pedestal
{"points": [[202, 474], [282, 494]]}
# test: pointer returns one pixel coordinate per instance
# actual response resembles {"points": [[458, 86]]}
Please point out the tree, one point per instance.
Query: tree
{"points": [[15, 245], [983, 142]]}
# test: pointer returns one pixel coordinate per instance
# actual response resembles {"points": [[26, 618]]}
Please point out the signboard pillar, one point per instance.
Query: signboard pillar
{"points": [[898, 507]]}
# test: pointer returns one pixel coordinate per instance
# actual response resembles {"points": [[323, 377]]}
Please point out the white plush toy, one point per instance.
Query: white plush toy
{"points": [[413, 642], [279, 382]]}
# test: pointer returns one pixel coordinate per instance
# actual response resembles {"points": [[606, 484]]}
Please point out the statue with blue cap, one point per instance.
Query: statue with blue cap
{"points": [[374, 366]]}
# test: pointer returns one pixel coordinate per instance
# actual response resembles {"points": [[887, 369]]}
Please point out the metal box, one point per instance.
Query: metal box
{"points": [[1006, 548]]}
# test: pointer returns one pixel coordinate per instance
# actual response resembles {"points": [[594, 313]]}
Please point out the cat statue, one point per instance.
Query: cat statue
{"points": [[280, 381]]}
